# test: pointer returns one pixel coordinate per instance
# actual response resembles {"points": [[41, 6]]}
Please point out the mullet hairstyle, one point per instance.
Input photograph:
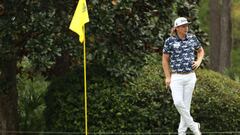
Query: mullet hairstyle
{"points": [[173, 31]]}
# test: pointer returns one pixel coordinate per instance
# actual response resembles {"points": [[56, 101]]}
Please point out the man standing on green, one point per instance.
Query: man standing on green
{"points": [[179, 63]]}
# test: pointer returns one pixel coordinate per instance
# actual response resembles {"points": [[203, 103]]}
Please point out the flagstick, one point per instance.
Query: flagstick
{"points": [[85, 82], [80, 18]]}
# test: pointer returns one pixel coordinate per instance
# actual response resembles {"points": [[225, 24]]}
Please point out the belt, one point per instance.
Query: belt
{"points": [[183, 73]]}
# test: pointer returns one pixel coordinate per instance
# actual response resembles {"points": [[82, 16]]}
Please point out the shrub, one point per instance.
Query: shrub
{"points": [[31, 102], [217, 102], [64, 101], [144, 105]]}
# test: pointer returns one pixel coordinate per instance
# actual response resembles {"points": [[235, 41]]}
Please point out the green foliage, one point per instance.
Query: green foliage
{"points": [[64, 103], [38, 31], [235, 23], [204, 15], [217, 101], [31, 102], [123, 32], [235, 68], [234, 71], [144, 106], [120, 35]]}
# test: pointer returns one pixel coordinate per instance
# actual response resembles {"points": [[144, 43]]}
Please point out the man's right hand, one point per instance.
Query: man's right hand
{"points": [[167, 82]]}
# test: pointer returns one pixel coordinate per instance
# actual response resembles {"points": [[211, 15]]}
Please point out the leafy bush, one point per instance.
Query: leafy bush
{"points": [[145, 105], [64, 102], [31, 102], [217, 102]]}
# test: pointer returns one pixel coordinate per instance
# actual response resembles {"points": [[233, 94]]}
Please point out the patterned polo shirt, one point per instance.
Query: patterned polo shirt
{"points": [[182, 52]]}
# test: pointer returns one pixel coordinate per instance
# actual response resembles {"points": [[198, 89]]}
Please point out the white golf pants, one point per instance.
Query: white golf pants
{"points": [[182, 86]]}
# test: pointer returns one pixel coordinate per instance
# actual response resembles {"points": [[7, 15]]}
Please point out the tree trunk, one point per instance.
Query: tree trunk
{"points": [[62, 65], [226, 36], [220, 33], [215, 31], [8, 99]]}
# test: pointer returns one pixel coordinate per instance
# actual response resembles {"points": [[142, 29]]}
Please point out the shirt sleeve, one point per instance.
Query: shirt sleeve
{"points": [[197, 44], [166, 47]]}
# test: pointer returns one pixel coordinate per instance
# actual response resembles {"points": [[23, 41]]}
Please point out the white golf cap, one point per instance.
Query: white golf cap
{"points": [[180, 21]]}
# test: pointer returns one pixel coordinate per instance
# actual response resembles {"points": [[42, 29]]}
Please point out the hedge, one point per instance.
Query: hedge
{"points": [[142, 106], [217, 102]]}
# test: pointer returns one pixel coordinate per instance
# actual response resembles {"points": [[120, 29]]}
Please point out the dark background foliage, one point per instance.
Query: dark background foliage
{"points": [[125, 81]]}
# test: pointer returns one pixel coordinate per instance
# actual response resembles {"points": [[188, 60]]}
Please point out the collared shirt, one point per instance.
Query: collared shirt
{"points": [[181, 52]]}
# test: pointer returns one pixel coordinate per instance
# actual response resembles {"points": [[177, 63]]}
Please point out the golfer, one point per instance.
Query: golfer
{"points": [[179, 63]]}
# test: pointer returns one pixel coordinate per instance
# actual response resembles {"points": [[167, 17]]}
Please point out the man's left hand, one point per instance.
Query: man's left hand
{"points": [[196, 64]]}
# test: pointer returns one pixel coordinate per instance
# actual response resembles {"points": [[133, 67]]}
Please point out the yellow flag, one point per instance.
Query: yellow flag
{"points": [[79, 19]]}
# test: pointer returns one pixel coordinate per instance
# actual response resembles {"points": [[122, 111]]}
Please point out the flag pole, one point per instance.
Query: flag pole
{"points": [[80, 18], [85, 82]]}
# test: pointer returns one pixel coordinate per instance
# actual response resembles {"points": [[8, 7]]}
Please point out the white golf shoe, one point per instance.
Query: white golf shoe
{"points": [[197, 129]]}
